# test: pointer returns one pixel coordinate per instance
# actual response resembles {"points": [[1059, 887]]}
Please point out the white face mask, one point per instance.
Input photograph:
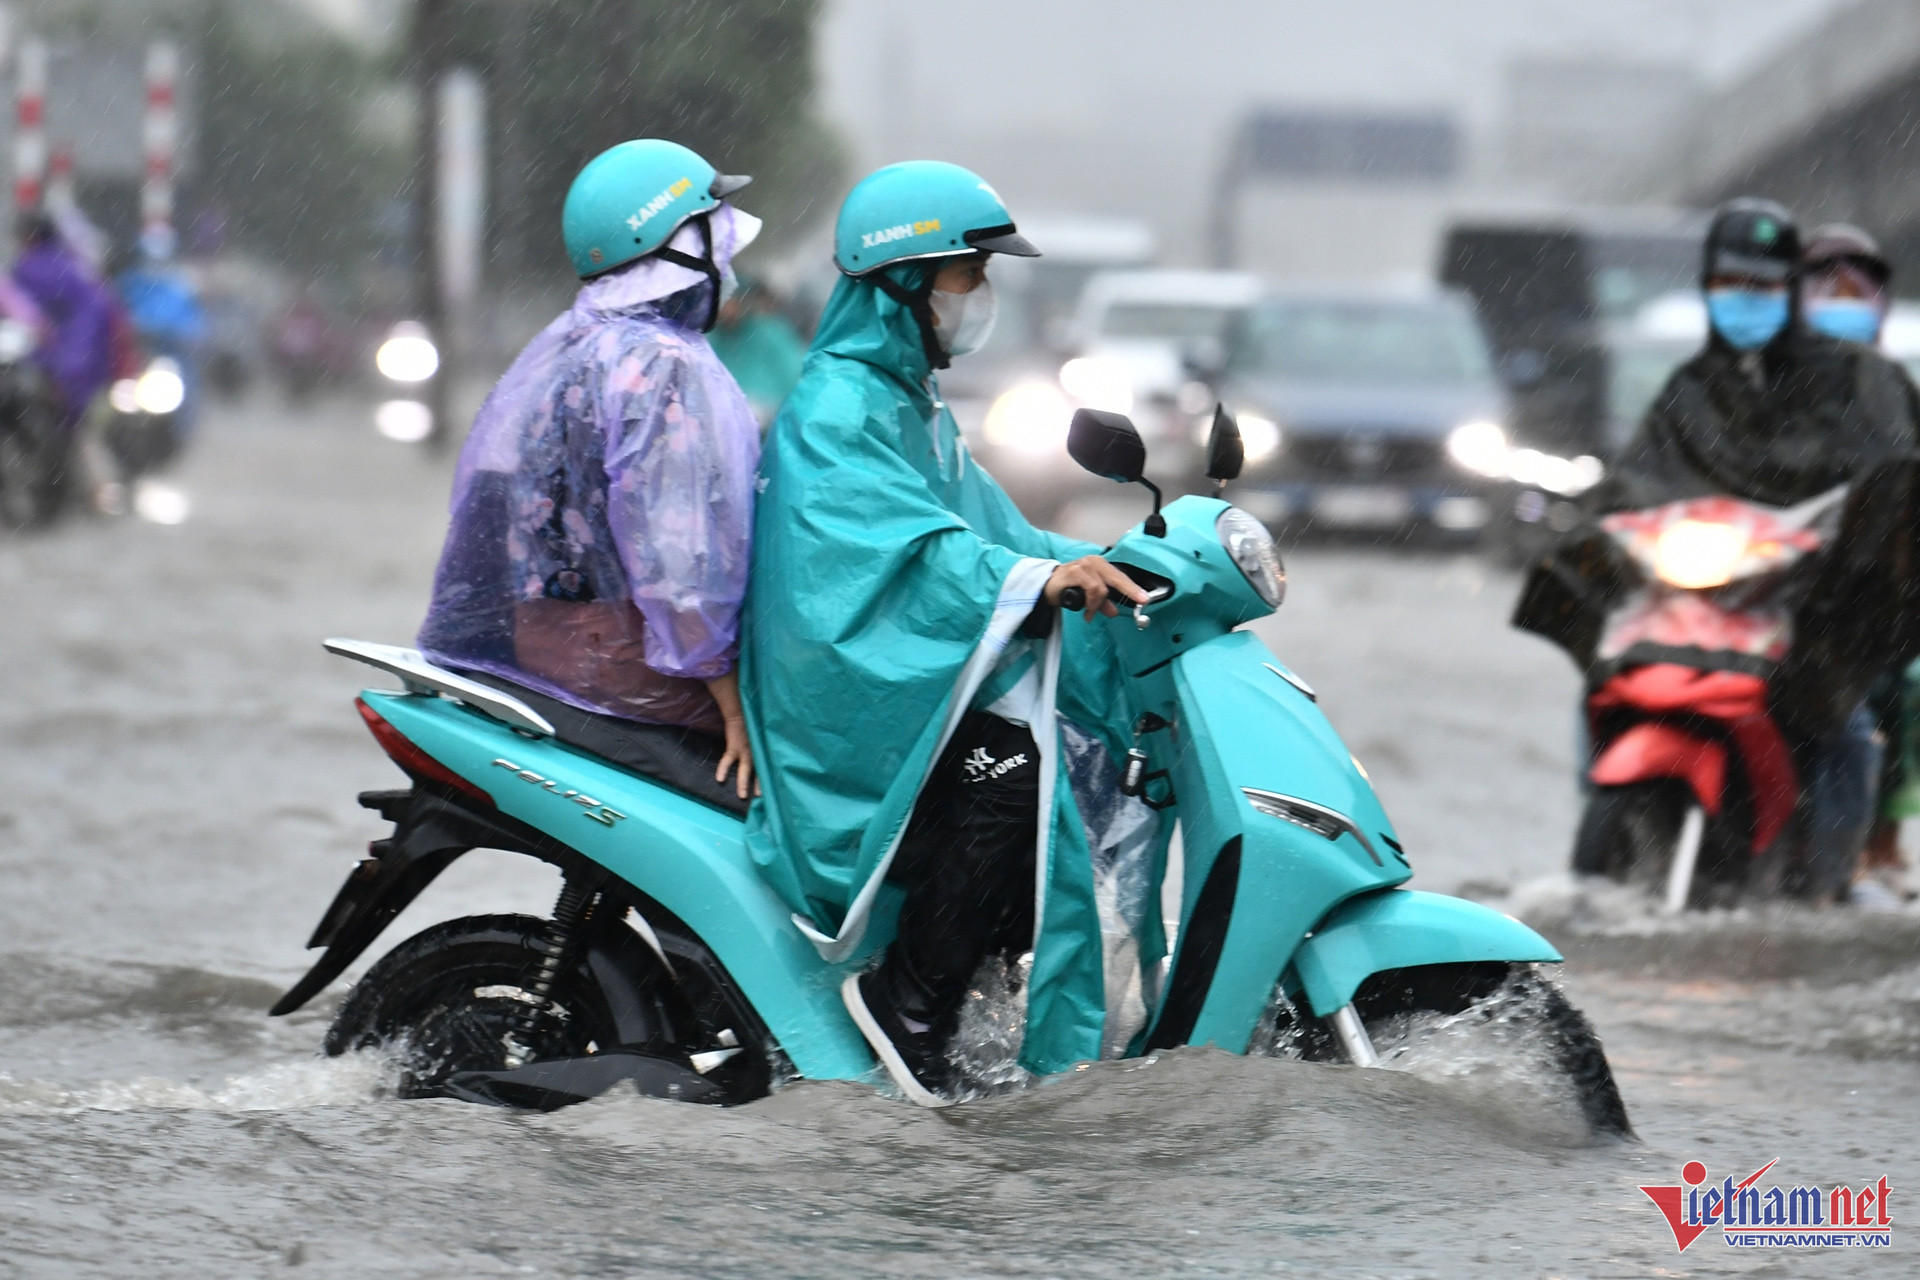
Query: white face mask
{"points": [[963, 321]]}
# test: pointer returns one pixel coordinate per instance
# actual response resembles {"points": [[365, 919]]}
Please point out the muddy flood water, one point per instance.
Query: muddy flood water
{"points": [[178, 765]]}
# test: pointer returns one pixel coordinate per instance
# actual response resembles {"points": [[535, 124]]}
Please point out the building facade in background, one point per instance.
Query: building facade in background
{"points": [[1160, 111]]}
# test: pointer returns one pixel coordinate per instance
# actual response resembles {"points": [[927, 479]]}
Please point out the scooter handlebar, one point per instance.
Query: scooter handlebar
{"points": [[1074, 599]]}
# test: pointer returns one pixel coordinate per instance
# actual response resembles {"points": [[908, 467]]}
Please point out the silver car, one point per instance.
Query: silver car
{"points": [[1368, 412]]}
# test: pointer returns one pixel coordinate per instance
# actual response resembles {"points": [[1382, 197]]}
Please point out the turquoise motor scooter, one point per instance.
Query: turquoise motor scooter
{"points": [[669, 962]]}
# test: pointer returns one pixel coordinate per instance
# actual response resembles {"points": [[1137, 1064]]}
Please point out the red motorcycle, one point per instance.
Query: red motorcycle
{"points": [[1695, 783], [1729, 647]]}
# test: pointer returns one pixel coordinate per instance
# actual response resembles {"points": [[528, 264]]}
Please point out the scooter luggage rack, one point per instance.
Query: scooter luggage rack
{"points": [[421, 676]]}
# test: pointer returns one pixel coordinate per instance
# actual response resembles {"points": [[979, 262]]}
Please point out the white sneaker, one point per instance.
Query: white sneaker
{"points": [[884, 1048], [1869, 894]]}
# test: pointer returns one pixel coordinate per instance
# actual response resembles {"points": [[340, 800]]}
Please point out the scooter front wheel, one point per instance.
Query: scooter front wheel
{"points": [[1628, 833], [1493, 1013]]}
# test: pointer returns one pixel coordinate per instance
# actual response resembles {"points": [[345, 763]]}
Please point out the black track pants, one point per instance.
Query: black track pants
{"points": [[966, 862]]}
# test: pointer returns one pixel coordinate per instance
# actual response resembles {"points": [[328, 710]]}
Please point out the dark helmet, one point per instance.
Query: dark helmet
{"points": [[35, 227], [1752, 237], [1843, 242]]}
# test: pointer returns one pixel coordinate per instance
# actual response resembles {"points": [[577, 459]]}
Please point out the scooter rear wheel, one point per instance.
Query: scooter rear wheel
{"points": [[445, 1001], [30, 479]]}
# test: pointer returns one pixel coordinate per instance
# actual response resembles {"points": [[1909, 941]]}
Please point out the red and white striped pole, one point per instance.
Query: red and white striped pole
{"points": [[58, 196], [30, 125], [161, 136]]}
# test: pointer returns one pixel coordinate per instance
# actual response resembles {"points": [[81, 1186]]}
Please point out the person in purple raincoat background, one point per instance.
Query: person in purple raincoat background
{"points": [[603, 504], [76, 348]]}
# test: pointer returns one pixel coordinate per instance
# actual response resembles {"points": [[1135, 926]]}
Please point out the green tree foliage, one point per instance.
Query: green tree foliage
{"points": [[304, 141], [732, 79], [286, 149]]}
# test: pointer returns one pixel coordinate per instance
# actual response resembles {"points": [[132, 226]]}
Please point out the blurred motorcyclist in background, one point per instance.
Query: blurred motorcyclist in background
{"points": [[1846, 291], [759, 348], [1844, 284], [603, 506], [78, 351], [1773, 411], [164, 305], [306, 346], [77, 347]]}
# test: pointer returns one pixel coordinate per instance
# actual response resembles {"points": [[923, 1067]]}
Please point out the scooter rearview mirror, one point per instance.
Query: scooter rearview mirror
{"points": [[1107, 445], [1226, 454]]}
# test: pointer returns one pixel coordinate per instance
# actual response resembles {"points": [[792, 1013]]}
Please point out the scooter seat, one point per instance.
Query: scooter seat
{"points": [[681, 758]]}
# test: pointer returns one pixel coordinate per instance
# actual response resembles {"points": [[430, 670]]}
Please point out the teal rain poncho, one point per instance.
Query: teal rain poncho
{"points": [[890, 575]]}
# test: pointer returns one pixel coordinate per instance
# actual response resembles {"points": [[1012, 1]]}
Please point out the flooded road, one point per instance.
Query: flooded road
{"points": [[178, 763]]}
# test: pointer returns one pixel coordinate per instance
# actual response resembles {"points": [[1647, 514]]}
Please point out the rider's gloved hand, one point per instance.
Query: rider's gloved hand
{"points": [[1099, 580]]}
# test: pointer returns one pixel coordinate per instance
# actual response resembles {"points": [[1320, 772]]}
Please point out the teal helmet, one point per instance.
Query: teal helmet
{"points": [[921, 209], [631, 198]]}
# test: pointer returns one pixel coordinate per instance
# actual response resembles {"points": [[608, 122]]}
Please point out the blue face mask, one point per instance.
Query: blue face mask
{"points": [[1747, 318], [1849, 319]]}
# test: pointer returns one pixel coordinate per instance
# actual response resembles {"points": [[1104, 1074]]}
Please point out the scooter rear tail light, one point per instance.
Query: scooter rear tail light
{"points": [[416, 762]]}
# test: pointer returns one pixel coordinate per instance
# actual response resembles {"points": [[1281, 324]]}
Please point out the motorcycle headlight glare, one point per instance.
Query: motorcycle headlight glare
{"points": [[1029, 418], [17, 340], [408, 354], [1698, 554], [161, 389], [1252, 548], [1480, 447], [1259, 437]]}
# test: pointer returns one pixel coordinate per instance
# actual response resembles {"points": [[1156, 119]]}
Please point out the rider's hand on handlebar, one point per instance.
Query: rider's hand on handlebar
{"points": [[1099, 580]]}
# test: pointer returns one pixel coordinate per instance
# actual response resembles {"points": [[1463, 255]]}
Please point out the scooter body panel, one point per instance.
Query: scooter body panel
{"points": [[1309, 896], [1244, 725], [1403, 929], [690, 858]]}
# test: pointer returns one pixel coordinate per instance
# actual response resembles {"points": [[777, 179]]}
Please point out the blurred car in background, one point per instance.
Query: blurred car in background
{"points": [[1031, 338], [1376, 413], [1641, 354], [1144, 343], [1551, 292]]}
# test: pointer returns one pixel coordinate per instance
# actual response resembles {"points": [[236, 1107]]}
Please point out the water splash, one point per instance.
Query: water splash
{"points": [[282, 1086], [1496, 1055], [985, 1051]]}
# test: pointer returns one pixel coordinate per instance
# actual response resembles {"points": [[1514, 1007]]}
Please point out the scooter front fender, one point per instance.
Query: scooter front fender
{"points": [[1403, 929]]}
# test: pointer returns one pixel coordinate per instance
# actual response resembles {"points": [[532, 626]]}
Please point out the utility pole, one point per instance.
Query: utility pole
{"points": [[427, 58], [160, 140], [30, 124]]}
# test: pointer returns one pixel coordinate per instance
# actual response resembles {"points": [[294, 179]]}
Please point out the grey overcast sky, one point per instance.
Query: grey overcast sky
{"points": [[906, 74]]}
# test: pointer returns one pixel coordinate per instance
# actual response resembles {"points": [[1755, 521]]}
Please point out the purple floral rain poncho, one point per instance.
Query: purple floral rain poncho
{"points": [[603, 505]]}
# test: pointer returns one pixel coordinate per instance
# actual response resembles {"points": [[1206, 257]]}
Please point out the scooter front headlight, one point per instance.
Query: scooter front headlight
{"points": [[1252, 548], [1698, 554], [408, 354], [161, 389]]}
